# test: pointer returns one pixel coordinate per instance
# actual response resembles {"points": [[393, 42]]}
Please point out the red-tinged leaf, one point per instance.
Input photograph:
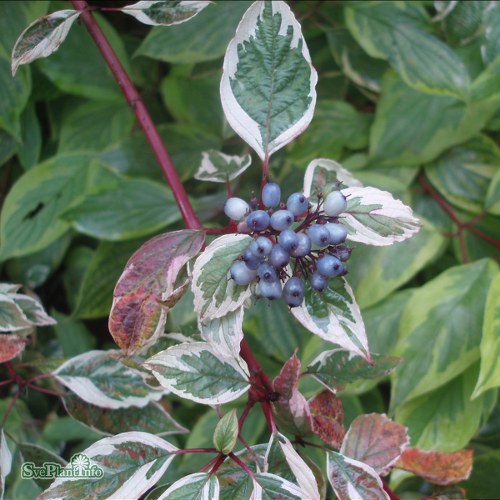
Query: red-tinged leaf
{"points": [[328, 418], [375, 440], [437, 467], [146, 289], [11, 346], [291, 410]]}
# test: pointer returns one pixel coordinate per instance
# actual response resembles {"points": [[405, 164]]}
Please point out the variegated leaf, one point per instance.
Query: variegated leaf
{"points": [[131, 463], [32, 310], [376, 441], [42, 37], [101, 379], [199, 486], [374, 217], [165, 12], [303, 474], [270, 486], [5, 462], [11, 346], [147, 287], [321, 172], [224, 334], [198, 372], [328, 418], [226, 433], [219, 167], [215, 293], [352, 479], [268, 83], [334, 315]]}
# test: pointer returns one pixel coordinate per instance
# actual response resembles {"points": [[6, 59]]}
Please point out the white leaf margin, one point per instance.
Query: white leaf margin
{"points": [[5, 462], [336, 333], [139, 482], [208, 171], [136, 10], [236, 116], [207, 493], [211, 309], [89, 392], [49, 44], [171, 358], [351, 490], [390, 208], [301, 471]]}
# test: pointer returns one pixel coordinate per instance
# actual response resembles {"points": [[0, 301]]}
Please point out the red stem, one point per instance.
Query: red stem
{"points": [[242, 464], [388, 490], [195, 450], [209, 464], [134, 99]]}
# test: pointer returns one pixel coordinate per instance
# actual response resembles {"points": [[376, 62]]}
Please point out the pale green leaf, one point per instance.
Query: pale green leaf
{"points": [[131, 463], [219, 167], [102, 379], [226, 433], [441, 330], [268, 83], [196, 371], [491, 23], [215, 293], [5, 462], [42, 37], [164, 13], [489, 375]]}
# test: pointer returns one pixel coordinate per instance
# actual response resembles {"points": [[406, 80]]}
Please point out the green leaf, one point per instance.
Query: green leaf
{"points": [[463, 174], [336, 124], [95, 295], [123, 210], [151, 418], [205, 38], [72, 335], [42, 37], [7, 147], [491, 24], [131, 463], [374, 273], [399, 32], [30, 148], [492, 203], [489, 375], [446, 419], [483, 482], [215, 293], [161, 13], [78, 67], [441, 330], [31, 212], [219, 167], [5, 461], [412, 128], [376, 441], [39, 457], [196, 371], [147, 287], [338, 367], [226, 433], [334, 316], [268, 83], [352, 479], [200, 485], [101, 378], [463, 22]]}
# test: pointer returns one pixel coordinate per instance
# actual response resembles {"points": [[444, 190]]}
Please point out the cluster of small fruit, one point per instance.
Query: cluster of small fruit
{"points": [[314, 239]]}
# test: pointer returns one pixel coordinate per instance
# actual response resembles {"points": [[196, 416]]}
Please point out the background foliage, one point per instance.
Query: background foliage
{"points": [[408, 100]]}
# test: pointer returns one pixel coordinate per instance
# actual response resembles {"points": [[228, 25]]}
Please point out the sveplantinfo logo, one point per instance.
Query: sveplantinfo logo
{"points": [[79, 466]]}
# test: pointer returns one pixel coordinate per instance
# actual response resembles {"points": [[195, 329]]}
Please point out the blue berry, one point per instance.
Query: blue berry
{"points": [[271, 195], [343, 253], [271, 291], [338, 233], [293, 292], [319, 235], [297, 203], [267, 272], [258, 220], [241, 274], [303, 247], [251, 260], [318, 281], [279, 257], [281, 220], [261, 247], [236, 208], [289, 240], [335, 203], [330, 266]]}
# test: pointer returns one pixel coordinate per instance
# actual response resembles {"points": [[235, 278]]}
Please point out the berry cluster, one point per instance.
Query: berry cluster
{"points": [[312, 241]]}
